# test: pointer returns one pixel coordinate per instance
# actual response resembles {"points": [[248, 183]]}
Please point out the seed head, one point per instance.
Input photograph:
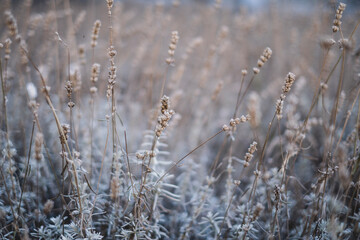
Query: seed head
{"points": [[11, 23], [95, 33], [172, 46], [95, 71], [289, 80], [338, 16]]}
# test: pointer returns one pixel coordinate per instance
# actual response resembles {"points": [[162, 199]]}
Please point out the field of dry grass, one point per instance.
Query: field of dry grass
{"points": [[183, 120]]}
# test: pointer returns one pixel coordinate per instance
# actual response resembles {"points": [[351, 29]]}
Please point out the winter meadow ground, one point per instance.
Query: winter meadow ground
{"points": [[179, 120]]}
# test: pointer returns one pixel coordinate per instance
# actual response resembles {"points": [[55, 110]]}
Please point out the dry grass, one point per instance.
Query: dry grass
{"points": [[179, 121]]}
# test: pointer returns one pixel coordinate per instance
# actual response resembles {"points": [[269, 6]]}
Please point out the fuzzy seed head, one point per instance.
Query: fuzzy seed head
{"points": [[95, 33]]}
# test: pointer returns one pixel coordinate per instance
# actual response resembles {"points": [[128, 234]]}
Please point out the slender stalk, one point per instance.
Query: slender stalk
{"points": [[27, 167]]}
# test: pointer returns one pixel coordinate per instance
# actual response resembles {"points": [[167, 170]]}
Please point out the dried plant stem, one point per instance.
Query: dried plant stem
{"points": [[138, 204], [113, 128], [217, 158], [10, 201], [346, 120], [91, 134], [27, 167], [128, 162], [36, 120], [92, 118], [101, 168], [60, 129], [113, 101], [57, 57], [6, 126], [354, 168], [336, 104], [3, 87], [244, 94], [265, 143], [196, 213], [229, 204], [176, 164], [238, 101], [314, 102], [145, 171]]}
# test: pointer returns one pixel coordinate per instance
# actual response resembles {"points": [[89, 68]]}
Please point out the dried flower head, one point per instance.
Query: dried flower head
{"points": [[172, 47], [112, 71], [95, 71], [7, 48], [257, 211], [289, 80], [225, 128], [338, 16], [93, 90], [39, 139], [66, 130], [279, 108], [165, 116], [249, 155], [264, 57], [346, 44], [110, 4], [326, 43], [95, 33], [11, 23]]}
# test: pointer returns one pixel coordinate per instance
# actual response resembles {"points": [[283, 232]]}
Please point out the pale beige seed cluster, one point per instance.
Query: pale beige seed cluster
{"points": [[112, 71], [39, 139], [217, 4], [95, 33], [66, 130], [263, 59], [244, 72], [327, 43], [11, 23], [279, 106], [81, 52], [143, 155], [7, 48], [338, 16], [110, 4], [95, 71], [257, 211], [289, 81], [69, 88], [234, 122], [165, 116], [115, 183], [172, 46], [76, 80], [250, 153]]}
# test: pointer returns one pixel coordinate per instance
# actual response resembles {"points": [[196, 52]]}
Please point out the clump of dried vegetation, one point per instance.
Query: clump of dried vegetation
{"points": [[122, 120]]}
